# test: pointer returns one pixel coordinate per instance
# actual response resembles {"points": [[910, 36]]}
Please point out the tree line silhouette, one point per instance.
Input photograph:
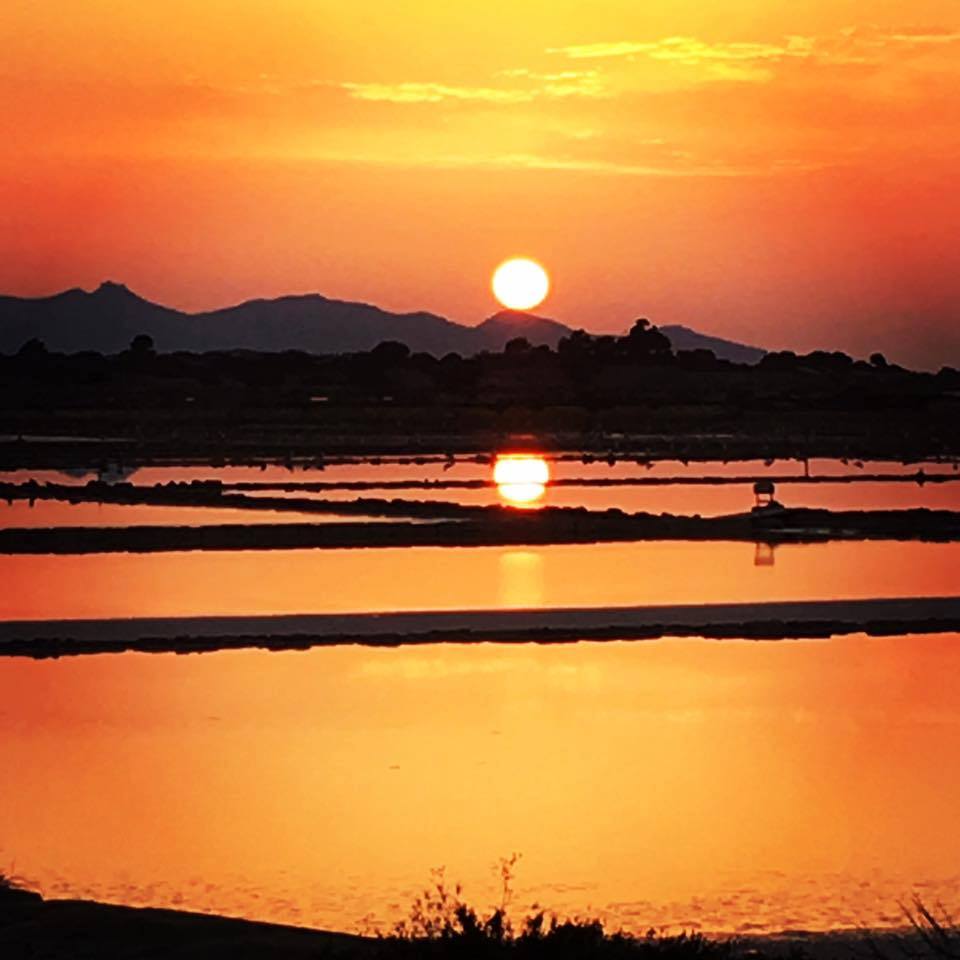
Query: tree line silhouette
{"points": [[587, 370]]}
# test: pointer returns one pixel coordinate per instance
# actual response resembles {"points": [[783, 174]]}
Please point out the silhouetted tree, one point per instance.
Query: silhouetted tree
{"points": [[779, 360], [878, 360], [578, 344], [646, 342], [34, 347], [832, 361], [517, 346], [142, 345], [698, 359], [390, 352]]}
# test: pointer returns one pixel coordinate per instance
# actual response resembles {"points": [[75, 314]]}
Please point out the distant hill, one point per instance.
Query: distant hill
{"points": [[107, 319], [506, 325], [683, 338]]}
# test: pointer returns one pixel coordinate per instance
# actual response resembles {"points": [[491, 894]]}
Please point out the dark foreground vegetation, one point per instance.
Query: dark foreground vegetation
{"points": [[592, 393], [441, 925]]}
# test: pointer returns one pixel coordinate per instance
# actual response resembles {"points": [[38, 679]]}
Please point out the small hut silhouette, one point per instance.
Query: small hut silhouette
{"points": [[763, 491]]}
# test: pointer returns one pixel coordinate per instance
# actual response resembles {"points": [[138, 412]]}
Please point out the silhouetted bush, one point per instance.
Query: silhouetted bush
{"points": [[929, 934], [442, 924], [33, 347], [142, 345]]}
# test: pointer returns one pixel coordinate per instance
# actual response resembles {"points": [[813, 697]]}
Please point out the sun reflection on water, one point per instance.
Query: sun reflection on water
{"points": [[521, 579], [521, 479]]}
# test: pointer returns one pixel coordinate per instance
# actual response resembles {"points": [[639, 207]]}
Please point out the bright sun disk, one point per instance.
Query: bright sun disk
{"points": [[520, 284], [521, 478]]}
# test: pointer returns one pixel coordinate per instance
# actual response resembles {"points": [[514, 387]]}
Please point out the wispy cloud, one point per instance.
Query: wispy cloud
{"points": [[852, 45], [688, 168], [691, 51], [527, 86], [562, 83], [741, 61], [434, 93], [922, 38]]}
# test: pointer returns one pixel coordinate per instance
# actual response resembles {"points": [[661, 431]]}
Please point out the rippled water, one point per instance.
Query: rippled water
{"points": [[722, 785]]}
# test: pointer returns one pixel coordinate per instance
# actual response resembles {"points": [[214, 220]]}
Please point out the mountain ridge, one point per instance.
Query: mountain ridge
{"points": [[106, 319], [686, 338]]}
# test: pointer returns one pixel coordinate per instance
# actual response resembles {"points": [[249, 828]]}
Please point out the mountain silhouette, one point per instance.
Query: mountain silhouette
{"points": [[108, 318], [683, 338], [506, 325]]}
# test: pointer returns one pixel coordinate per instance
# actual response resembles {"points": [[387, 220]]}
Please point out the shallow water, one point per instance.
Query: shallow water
{"points": [[562, 466], [707, 501], [58, 513], [680, 498], [726, 786], [722, 786], [588, 575]]}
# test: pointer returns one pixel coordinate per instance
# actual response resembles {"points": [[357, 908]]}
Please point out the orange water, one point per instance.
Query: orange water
{"points": [[726, 785], [316, 581]]}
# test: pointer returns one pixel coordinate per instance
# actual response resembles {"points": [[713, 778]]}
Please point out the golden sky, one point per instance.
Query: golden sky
{"points": [[781, 172]]}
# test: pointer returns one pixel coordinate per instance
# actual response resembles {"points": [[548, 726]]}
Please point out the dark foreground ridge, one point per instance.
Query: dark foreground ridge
{"points": [[639, 393], [32, 928], [759, 621]]}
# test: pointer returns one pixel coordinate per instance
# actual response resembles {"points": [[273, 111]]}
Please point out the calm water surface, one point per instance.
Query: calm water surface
{"points": [[469, 469], [589, 575], [720, 785], [59, 513], [707, 501], [678, 499]]}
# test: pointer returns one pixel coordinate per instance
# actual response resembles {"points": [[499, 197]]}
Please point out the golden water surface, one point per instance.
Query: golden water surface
{"points": [[249, 582], [726, 785]]}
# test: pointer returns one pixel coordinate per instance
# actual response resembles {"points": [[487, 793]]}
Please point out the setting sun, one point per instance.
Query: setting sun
{"points": [[520, 284]]}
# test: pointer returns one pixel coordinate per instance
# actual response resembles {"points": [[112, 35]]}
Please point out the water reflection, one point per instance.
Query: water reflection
{"points": [[60, 513], [526, 490], [764, 555], [521, 579], [562, 466], [321, 787], [521, 479], [328, 581], [707, 501]]}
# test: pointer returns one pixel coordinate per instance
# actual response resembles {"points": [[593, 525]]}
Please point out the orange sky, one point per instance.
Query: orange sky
{"points": [[778, 172]]}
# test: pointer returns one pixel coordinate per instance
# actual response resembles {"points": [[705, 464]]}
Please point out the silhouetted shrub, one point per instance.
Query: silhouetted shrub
{"points": [[390, 352], [518, 345], [34, 347], [142, 345], [929, 934], [442, 924]]}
